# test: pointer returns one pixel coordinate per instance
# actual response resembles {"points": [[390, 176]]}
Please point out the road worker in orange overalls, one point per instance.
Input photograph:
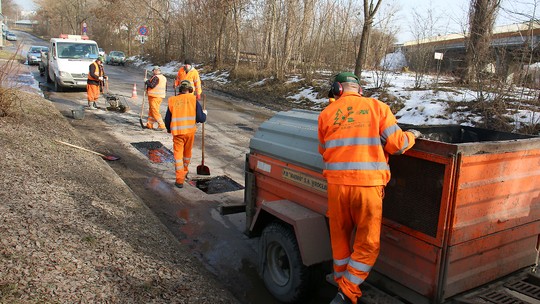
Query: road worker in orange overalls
{"points": [[182, 116], [96, 74], [157, 89], [356, 136], [188, 72]]}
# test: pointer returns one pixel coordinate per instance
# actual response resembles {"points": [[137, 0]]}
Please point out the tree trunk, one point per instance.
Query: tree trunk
{"points": [[369, 13]]}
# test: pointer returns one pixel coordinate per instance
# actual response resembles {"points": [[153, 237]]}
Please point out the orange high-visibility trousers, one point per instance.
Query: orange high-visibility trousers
{"points": [[153, 113], [350, 207], [92, 92], [182, 145]]}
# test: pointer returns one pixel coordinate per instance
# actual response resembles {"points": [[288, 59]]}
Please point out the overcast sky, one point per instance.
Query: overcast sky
{"points": [[451, 13]]}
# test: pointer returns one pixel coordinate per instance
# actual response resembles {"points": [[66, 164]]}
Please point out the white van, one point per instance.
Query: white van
{"points": [[68, 61]]}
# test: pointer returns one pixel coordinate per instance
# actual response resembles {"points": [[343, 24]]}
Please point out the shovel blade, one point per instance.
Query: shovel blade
{"points": [[203, 170], [111, 158]]}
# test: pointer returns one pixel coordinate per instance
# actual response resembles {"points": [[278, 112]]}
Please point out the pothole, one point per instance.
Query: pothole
{"points": [[218, 184], [155, 151]]}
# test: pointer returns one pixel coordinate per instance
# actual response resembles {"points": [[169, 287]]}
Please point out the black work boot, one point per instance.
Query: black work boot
{"points": [[179, 185], [341, 298]]}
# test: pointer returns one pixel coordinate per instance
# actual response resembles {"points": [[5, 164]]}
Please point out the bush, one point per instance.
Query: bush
{"points": [[9, 69]]}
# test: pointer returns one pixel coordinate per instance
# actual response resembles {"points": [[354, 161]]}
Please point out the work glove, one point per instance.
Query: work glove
{"points": [[205, 112], [145, 80], [100, 78], [198, 97], [106, 77], [415, 133]]}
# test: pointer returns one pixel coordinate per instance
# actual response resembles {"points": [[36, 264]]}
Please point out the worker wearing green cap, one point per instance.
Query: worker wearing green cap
{"points": [[356, 137], [96, 74]]}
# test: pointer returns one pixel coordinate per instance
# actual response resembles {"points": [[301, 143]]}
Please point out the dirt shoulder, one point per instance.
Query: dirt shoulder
{"points": [[71, 231]]}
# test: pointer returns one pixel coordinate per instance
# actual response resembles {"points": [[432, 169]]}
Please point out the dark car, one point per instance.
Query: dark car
{"points": [[34, 54], [116, 57]]}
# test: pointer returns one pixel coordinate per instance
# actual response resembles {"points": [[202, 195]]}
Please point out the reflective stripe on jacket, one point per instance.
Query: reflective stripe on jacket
{"points": [[183, 114], [96, 72], [160, 89], [192, 76], [356, 136]]}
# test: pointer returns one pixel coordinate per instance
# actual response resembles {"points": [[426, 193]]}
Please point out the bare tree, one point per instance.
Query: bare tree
{"points": [[369, 15], [482, 15]]}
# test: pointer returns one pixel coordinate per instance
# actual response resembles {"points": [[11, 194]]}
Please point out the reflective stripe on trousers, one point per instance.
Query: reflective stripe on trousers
{"points": [[153, 112], [350, 207], [182, 145]]}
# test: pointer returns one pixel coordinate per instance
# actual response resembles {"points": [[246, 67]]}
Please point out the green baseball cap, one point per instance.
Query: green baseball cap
{"points": [[100, 58], [157, 68], [347, 77], [185, 84]]}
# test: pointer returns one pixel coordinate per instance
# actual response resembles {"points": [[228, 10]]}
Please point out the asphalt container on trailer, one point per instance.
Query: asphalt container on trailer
{"points": [[462, 208]]}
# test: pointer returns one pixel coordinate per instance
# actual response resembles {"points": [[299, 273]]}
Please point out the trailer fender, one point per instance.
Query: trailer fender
{"points": [[309, 226]]}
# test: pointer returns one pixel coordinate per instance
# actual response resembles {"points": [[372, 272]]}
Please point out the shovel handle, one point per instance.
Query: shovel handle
{"points": [[73, 146], [204, 107]]}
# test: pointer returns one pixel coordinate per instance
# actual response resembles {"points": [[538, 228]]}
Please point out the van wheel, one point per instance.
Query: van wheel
{"points": [[281, 265], [57, 86]]}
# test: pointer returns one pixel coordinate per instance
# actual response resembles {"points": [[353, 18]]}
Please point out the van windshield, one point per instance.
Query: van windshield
{"points": [[77, 50]]}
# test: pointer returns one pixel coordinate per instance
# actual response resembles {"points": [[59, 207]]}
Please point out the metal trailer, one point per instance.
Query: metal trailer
{"points": [[460, 212]]}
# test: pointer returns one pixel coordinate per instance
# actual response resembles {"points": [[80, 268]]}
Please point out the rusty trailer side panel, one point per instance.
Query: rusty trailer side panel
{"points": [[482, 260], [496, 192]]}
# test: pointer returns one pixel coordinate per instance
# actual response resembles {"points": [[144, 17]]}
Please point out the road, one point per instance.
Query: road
{"points": [[189, 213]]}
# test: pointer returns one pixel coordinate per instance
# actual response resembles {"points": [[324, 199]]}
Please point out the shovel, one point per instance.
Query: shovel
{"points": [[111, 158], [142, 107], [202, 169]]}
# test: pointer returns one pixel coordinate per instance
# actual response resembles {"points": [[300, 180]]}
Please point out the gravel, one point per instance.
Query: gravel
{"points": [[71, 231]]}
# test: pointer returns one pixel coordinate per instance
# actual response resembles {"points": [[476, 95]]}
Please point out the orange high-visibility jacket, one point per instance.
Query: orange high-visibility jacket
{"points": [[356, 136], [96, 72], [183, 110], [192, 76], [160, 89]]}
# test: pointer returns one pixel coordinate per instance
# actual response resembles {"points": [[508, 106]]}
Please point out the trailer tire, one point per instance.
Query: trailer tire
{"points": [[280, 262]]}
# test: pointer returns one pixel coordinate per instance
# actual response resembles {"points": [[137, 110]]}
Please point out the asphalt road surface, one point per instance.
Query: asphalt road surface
{"points": [[190, 214]]}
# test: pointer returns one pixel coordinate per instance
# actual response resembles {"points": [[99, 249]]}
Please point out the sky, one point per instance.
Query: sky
{"points": [[450, 14]]}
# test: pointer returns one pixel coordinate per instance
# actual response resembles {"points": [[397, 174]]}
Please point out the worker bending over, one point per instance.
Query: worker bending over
{"points": [[183, 114], [356, 136], [96, 74], [188, 72], [157, 89]]}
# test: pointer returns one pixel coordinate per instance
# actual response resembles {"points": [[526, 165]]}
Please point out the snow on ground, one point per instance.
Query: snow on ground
{"points": [[422, 107]]}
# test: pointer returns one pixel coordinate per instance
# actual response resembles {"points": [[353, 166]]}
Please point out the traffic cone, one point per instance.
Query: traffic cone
{"points": [[134, 95]]}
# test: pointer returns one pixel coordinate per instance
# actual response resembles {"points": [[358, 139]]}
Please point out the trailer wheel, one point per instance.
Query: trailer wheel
{"points": [[281, 265]]}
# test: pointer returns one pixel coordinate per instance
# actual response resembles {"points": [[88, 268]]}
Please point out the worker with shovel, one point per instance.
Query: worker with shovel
{"points": [[183, 114], [96, 74], [157, 89], [356, 136]]}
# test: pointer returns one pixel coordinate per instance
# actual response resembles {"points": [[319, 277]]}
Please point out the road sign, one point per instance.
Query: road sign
{"points": [[143, 38], [143, 30], [84, 24], [84, 30]]}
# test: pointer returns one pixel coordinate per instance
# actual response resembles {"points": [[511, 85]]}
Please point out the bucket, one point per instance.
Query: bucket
{"points": [[78, 113]]}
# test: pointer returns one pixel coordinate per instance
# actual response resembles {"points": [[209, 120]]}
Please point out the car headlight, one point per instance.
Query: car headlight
{"points": [[64, 74]]}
